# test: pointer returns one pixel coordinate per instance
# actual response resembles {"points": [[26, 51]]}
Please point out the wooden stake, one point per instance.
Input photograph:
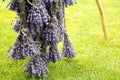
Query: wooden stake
{"points": [[102, 18]]}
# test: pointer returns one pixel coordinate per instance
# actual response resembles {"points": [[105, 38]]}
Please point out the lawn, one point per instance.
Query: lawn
{"points": [[96, 59]]}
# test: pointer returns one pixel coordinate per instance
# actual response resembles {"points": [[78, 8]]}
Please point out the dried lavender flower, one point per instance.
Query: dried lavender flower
{"points": [[68, 50]]}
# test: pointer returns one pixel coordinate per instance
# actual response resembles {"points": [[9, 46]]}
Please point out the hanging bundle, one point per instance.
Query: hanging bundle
{"points": [[54, 55], [24, 47], [38, 65], [41, 26], [68, 50]]}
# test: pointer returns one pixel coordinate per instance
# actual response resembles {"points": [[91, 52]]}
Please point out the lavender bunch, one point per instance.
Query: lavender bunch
{"points": [[37, 18], [38, 65], [54, 55], [49, 34], [24, 47], [68, 50]]}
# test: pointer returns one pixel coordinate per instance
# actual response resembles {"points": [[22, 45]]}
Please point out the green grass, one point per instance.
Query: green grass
{"points": [[96, 59]]}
